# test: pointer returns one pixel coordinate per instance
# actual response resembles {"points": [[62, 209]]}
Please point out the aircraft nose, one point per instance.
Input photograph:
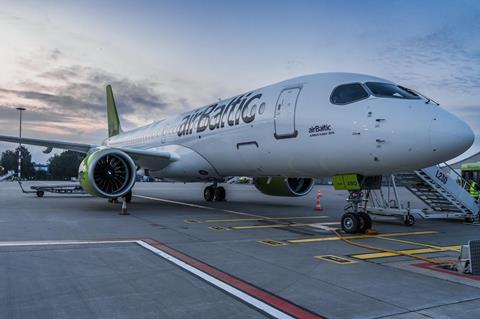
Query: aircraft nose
{"points": [[450, 136]]}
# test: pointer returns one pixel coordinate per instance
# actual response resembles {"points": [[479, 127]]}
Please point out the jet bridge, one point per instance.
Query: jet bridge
{"points": [[440, 187]]}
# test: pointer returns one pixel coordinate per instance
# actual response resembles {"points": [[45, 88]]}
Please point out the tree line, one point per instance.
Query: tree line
{"points": [[61, 166]]}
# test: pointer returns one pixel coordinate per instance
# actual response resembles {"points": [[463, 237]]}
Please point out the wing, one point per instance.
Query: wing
{"points": [[82, 148], [146, 159]]}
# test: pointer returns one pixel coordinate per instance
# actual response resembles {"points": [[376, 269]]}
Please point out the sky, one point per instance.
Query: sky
{"points": [[165, 57]]}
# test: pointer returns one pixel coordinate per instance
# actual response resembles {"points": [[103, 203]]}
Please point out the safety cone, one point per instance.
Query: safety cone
{"points": [[318, 207], [124, 207]]}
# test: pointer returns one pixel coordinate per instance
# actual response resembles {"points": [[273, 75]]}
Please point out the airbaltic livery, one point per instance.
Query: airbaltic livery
{"points": [[283, 135]]}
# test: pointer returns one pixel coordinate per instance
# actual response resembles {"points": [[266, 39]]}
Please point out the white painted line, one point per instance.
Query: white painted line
{"points": [[220, 284], [325, 226], [200, 206], [62, 242]]}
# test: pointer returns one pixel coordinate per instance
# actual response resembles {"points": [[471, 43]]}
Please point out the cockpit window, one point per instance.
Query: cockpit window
{"points": [[348, 93], [391, 91]]}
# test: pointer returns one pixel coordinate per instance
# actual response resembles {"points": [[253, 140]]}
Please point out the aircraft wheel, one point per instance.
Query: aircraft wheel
{"points": [[128, 197], [209, 193], [409, 220], [40, 193], [365, 222], [220, 194], [469, 219], [350, 223]]}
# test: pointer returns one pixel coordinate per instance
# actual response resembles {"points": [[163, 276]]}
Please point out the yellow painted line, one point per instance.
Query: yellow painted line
{"points": [[257, 219], [409, 242], [406, 252], [319, 239], [271, 226], [336, 259], [200, 206], [272, 242]]}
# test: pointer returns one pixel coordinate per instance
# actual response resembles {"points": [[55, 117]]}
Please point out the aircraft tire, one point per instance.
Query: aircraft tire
{"points": [[220, 194], [350, 223], [409, 220], [365, 222], [209, 193], [40, 193]]}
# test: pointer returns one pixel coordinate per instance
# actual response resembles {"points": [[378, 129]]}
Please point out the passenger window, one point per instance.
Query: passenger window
{"points": [[348, 93]]}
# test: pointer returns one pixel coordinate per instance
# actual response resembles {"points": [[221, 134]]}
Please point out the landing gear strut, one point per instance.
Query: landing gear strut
{"points": [[356, 220], [214, 193], [128, 197]]}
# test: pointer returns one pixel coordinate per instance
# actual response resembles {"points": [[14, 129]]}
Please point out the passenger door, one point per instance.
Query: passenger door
{"points": [[285, 113]]}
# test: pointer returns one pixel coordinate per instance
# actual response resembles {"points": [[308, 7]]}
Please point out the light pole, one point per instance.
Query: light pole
{"points": [[19, 175]]}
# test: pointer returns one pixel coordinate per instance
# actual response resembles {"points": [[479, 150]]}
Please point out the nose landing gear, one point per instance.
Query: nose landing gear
{"points": [[214, 193], [355, 219]]}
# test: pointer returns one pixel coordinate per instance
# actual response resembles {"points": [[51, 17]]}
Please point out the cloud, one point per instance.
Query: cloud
{"points": [[55, 55], [78, 92], [444, 59]]}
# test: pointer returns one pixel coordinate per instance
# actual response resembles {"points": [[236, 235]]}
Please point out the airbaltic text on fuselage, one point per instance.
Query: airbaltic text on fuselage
{"points": [[240, 108]]}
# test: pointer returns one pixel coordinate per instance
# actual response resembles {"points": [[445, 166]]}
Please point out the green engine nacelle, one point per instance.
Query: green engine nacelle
{"points": [[281, 186], [107, 173]]}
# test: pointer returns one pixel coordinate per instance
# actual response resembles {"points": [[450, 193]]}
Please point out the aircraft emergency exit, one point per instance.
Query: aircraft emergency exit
{"points": [[283, 135]]}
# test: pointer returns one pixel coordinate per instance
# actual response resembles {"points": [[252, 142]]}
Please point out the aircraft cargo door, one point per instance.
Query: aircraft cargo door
{"points": [[285, 113]]}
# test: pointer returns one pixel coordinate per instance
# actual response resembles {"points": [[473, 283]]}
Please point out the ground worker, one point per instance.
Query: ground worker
{"points": [[474, 189]]}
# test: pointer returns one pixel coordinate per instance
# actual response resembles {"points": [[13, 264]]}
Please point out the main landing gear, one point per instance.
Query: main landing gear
{"points": [[214, 193], [355, 219]]}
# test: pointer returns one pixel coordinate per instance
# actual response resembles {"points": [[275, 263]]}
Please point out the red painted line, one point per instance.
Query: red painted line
{"points": [[446, 271], [271, 299]]}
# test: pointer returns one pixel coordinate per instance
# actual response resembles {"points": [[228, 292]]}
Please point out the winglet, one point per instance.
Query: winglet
{"points": [[114, 127]]}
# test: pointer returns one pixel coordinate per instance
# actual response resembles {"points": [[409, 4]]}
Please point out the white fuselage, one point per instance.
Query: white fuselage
{"points": [[293, 129]]}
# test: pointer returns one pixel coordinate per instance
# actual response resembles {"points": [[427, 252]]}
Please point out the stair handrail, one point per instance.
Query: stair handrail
{"points": [[463, 180]]}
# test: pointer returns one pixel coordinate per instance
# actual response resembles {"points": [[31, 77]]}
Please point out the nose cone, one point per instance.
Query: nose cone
{"points": [[449, 136]]}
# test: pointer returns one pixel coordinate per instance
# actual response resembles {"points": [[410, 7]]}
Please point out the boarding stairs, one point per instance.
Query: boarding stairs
{"points": [[440, 188], [7, 176]]}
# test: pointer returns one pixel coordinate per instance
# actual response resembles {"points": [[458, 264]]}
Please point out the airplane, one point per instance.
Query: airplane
{"points": [[283, 136]]}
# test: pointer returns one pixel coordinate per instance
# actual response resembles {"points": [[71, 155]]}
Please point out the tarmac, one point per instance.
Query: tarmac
{"points": [[253, 256]]}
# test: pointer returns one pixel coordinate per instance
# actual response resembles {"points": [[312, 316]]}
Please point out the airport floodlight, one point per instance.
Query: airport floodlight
{"points": [[20, 110]]}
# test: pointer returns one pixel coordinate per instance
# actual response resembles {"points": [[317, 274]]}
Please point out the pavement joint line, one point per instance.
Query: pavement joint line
{"points": [[320, 239], [408, 252], [258, 219], [200, 206], [62, 242]]}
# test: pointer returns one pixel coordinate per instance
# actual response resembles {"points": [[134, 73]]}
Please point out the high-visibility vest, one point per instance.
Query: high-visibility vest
{"points": [[473, 190]]}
